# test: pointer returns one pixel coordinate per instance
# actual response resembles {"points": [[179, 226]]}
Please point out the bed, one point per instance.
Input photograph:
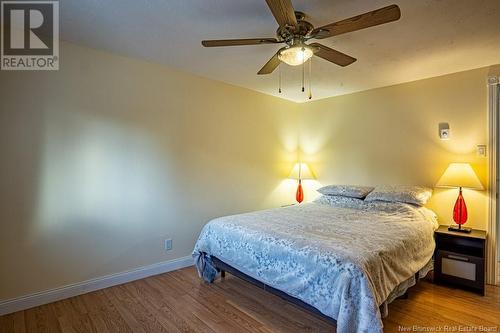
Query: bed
{"points": [[345, 261]]}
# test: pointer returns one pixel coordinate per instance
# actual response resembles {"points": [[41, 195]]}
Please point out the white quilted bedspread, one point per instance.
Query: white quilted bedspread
{"points": [[344, 261]]}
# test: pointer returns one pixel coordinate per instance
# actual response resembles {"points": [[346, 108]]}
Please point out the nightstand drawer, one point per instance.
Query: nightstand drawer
{"points": [[459, 268], [458, 265]]}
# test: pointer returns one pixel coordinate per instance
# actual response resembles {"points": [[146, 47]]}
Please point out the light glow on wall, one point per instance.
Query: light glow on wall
{"points": [[95, 171]]}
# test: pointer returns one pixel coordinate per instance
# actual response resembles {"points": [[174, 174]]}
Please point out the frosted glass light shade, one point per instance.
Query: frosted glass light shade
{"points": [[295, 55], [460, 175], [301, 171]]}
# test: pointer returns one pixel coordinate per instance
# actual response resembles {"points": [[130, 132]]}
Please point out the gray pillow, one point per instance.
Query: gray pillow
{"points": [[351, 191], [339, 201], [416, 195]]}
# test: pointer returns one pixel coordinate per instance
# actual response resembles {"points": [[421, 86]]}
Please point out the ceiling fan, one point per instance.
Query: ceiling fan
{"points": [[294, 31]]}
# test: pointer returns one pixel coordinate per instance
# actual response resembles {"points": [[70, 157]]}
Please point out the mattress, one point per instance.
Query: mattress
{"points": [[344, 261]]}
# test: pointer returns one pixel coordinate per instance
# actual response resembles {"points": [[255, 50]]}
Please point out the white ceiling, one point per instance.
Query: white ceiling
{"points": [[433, 37]]}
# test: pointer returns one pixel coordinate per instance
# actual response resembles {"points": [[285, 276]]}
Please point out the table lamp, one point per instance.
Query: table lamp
{"points": [[460, 175], [300, 171]]}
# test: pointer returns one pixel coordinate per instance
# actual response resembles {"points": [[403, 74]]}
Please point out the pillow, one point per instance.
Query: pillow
{"points": [[416, 195], [351, 191], [339, 201]]}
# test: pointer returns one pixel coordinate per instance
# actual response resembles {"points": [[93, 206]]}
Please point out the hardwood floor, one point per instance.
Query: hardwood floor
{"points": [[179, 302]]}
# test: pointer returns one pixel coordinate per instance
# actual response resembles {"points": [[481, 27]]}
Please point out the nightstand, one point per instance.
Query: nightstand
{"points": [[459, 258]]}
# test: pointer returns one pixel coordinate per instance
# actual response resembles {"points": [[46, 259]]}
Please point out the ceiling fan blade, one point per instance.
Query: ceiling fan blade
{"points": [[270, 66], [332, 55], [366, 20], [283, 12], [238, 42]]}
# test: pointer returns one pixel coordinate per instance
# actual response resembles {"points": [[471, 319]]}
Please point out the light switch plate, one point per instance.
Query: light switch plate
{"points": [[481, 150]]}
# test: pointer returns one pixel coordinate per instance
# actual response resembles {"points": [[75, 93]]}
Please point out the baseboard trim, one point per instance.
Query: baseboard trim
{"points": [[52, 295]]}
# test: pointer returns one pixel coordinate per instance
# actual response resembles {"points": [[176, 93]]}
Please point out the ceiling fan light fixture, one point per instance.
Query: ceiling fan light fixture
{"points": [[295, 55]]}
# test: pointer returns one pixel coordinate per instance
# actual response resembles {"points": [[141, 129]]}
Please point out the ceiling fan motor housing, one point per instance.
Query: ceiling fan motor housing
{"points": [[293, 35]]}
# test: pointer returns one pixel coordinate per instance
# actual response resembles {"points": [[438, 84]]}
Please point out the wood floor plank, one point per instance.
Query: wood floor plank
{"points": [[19, 322], [49, 319], [193, 322], [141, 296], [7, 323], [95, 314], [30, 320], [72, 315], [179, 302], [132, 322], [143, 314], [208, 297]]}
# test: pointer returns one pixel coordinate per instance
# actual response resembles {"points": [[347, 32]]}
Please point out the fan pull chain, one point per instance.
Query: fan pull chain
{"points": [[303, 69], [279, 78], [310, 78]]}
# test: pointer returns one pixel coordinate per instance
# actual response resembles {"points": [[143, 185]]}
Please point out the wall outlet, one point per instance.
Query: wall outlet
{"points": [[168, 244]]}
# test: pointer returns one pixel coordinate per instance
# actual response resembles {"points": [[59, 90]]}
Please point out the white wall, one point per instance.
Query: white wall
{"points": [[104, 159]]}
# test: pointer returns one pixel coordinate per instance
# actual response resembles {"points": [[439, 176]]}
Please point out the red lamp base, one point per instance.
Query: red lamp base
{"points": [[459, 214], [299, 196]]}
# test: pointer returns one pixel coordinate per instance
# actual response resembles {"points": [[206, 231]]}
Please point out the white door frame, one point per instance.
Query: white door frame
{"points": [[491, 264]]}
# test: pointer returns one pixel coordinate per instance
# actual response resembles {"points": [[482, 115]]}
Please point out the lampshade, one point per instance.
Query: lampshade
{"points": [[295, 55], [301, 171], [460, 175]]}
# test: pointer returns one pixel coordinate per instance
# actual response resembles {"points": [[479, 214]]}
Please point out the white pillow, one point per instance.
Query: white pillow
{"points": [[416, 195], [351, 191]]}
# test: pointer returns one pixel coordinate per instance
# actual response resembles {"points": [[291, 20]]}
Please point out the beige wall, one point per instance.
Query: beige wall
{"points": [[104, 159], [390, 136]]}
